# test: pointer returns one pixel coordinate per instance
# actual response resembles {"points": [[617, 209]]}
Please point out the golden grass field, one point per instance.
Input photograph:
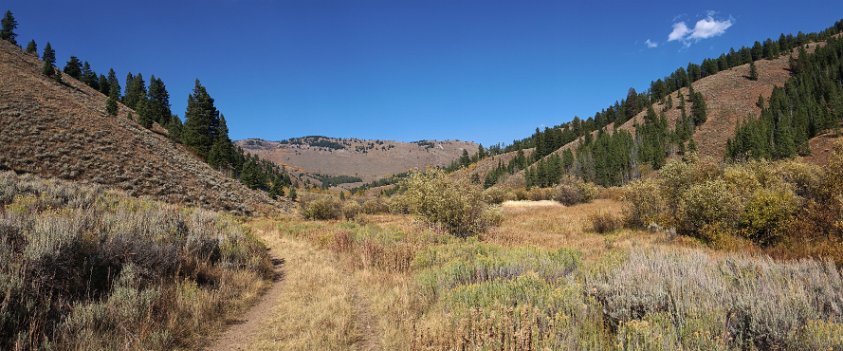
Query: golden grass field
{"points": [[542, 280]]}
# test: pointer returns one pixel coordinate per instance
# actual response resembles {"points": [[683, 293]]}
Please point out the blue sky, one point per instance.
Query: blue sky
{"points": [[482, 70]]}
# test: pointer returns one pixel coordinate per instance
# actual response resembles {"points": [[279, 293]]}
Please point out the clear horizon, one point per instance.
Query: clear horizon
{"points": [[487, 72]]}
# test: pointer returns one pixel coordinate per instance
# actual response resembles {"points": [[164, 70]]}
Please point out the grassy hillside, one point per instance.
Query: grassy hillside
{"points": [[62, 130], [730, 97]]}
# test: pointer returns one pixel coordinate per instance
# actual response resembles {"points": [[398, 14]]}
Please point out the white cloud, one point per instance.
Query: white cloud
{"points": [[705, 28], [680, 30], [710, 27], [651, 44]]}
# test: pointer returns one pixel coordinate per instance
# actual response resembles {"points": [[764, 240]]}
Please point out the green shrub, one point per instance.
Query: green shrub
{"points": [[398, 205], [321, 208], [676, 177], [539, 194], [351, 210], [497, 195], [643, 203], [706, 203], [766, 212], [455, 205], [375, 206], [574, 191], [805, 178]]}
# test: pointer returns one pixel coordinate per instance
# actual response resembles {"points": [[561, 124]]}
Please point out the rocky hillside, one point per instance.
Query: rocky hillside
{"points": [[61, 130], [367, 159]]}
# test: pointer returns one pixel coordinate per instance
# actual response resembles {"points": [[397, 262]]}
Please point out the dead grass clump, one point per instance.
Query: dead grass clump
{"points": [[323, 208], [498, 195], [574, 191], [604, 222]]}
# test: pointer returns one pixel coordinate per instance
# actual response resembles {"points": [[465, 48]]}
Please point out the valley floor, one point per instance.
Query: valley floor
{"points": [[540, 280]]}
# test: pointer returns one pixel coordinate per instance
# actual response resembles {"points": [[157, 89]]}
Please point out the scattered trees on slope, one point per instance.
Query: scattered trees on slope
{"points": [[73, 67], [809, 103], [32, 48], [551, 139], [49, 58]]}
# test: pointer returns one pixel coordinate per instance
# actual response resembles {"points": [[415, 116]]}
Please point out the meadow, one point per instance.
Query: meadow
{"points": [[543, 279]]}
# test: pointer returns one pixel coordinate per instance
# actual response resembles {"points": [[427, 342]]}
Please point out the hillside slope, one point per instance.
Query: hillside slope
{"points": [[729, 96], [367, 159], [61, 130]]}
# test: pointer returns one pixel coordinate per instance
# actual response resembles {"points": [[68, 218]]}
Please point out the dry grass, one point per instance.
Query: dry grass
{"points": [[62, 131], [85, 269], [541, 280]]}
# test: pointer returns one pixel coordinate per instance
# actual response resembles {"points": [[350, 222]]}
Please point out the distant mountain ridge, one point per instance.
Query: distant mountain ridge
{"points": [[368, 159]]}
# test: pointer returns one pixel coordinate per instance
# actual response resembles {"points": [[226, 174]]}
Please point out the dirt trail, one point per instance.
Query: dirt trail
{"points": [[240, 334], [313, 305]]}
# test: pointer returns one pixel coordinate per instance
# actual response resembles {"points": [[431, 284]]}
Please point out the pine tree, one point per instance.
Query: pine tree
{"points": [[221, 154], [698, 110], [174, 128], [142, 109], [103, 85], [89, 76], [202, 121], [465, 160], [111, 103], [113, 83], [753, 73], [135, 91], [9, 24], [73, 67], [49, 58], [32, 48], [159, 101], [292, 194]]}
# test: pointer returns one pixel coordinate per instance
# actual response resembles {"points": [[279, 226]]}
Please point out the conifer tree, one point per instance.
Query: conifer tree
{"points": [[135, 91], [111, 102], [221, 154], [103, 85], [159, 101], [9, 24], [73, 67], [202, 121], [174, 128], [292, 194], [698, 110], [32, 48], [89, 76], [465, 160], [113, 83], [753, 73], [49, 58], [142, 109]]}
